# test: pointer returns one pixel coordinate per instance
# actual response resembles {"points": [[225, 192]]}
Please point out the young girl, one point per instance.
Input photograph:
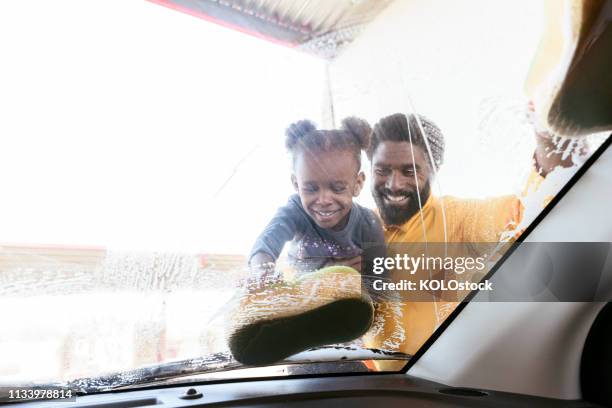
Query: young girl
{"points": [[322, 222]]}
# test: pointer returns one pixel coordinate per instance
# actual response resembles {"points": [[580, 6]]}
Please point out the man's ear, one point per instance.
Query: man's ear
{"points": [[294, 182], [359, 184]]}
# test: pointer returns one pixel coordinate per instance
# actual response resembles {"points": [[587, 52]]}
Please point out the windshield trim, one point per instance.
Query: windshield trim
{"points": [[215, 363]]}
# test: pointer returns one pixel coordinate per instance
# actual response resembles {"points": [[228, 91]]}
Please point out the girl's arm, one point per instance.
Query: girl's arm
{"points": [[286, 223]]}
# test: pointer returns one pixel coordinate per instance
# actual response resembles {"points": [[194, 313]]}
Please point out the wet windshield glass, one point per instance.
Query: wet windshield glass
{"points": [[145, 158]]}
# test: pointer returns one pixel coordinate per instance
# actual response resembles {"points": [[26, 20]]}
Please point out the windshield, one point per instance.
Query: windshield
{"points": [[144, 154]]}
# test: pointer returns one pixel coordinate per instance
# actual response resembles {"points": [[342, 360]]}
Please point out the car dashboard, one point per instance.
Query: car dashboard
{"points": [[367, 390]]}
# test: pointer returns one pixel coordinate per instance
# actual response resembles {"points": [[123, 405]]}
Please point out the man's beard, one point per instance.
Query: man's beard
{"points": [[396, 214]]}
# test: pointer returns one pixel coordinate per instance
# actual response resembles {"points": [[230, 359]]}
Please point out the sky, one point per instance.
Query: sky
{"points": [[128, 125]]}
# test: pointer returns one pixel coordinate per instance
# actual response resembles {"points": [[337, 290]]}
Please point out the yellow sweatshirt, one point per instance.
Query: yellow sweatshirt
{"points": [[403, 325]]}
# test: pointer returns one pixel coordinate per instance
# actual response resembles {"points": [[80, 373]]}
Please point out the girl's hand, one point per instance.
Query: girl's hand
{"points": [[262, 272], [254, 284]]}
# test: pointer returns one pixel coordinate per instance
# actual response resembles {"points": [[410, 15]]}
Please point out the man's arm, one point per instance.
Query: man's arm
{"points": [[486, 220]]}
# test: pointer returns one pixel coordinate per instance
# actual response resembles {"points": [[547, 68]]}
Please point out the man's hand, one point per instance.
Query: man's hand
{"points": [[553, 151]]}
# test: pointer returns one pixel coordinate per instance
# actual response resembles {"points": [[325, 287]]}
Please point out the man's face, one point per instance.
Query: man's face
{"points": [[394, 182]]}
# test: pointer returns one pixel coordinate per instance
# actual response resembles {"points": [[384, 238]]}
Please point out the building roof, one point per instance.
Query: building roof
{"points": [[319, 27]]}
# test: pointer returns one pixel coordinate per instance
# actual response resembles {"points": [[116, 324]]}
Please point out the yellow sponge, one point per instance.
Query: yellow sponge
{"points": [[324, 307]]}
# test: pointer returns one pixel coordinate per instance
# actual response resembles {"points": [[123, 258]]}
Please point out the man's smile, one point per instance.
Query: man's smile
{"points": [[396, 199]]}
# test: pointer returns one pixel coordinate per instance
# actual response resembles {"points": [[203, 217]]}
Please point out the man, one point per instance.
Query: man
{"points": [[403, 169]]}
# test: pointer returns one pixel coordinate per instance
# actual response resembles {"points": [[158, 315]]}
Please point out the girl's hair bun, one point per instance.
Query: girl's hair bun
{"points": [[359, 129], [297, 131]]}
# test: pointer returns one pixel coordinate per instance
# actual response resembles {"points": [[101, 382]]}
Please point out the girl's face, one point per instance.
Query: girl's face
{"points": [[327, 183]]}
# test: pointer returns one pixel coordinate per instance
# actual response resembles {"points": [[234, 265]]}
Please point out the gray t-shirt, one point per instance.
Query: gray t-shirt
{"points": [[312, 246]]}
